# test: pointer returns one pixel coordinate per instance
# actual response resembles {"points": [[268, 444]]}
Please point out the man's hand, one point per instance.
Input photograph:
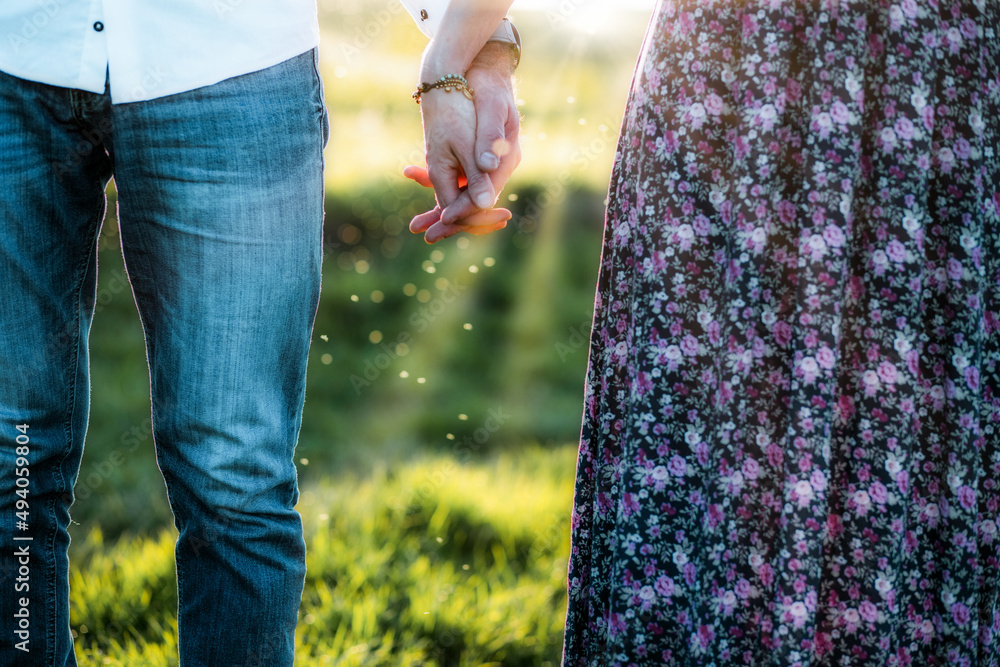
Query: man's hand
{"points": [[468, 141]]}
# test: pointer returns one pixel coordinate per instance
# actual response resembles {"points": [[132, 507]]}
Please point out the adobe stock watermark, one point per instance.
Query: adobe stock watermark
{"points": [[554, 190], [563, 11], [363, 36], [419, 321], [32, 25], [69, 336], [462, 451], [579, 336], [100, 472]]}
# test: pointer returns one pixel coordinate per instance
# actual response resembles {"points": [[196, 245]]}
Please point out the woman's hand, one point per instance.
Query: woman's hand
{"points": [[472, 149], [478, 223]]}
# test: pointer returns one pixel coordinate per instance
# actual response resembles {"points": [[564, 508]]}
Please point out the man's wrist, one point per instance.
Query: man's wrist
{"points": [[497, 58], [507, 34]]}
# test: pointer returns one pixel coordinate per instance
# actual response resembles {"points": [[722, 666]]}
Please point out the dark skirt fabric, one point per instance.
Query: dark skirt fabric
{"points": [[790, 453]]}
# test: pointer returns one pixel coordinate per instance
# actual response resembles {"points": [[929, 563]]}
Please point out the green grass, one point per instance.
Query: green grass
{"points": [[454, 559]]}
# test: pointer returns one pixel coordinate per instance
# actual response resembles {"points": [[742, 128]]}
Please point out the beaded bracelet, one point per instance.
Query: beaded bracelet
{"points": [[448, 82]]}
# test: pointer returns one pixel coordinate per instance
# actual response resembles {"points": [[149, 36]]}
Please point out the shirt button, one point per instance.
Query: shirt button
{"points": [[98, 26]]}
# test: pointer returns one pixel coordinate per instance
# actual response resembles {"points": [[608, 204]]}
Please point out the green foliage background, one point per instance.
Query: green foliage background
{"points": [[422, 549]]}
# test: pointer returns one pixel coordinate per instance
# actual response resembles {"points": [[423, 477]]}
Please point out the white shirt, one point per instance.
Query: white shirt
{"points": [[427, 13], [150, 48]]}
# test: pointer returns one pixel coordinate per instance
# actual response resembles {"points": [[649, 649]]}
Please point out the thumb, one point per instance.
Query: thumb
{"points": [[491, 144], [480, 187]]}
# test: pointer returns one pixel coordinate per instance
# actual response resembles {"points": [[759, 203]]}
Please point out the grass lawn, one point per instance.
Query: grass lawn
{"points": [[443, 561]]}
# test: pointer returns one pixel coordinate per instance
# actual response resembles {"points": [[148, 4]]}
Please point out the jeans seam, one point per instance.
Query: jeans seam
{"points": [[321, 102], [50, 543]]}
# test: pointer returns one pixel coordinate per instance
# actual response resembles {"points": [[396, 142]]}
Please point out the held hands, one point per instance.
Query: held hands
{"points": [[472, 148]]}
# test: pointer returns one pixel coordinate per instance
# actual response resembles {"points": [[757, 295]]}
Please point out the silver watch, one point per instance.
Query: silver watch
{"points": [[507, 33]]}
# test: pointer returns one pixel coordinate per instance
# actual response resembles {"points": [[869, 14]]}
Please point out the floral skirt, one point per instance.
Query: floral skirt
{"points": [[791, 443]]}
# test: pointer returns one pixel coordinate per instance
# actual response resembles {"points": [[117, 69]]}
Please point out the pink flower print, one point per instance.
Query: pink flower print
{"points": [[767, 116], [705, 635], [888, 137], [782, 332], [968, 27], [751, 469], [685, 23], [713, 104], [880, 262], [960, 613], [887, 372], [825, 357], [909, 8], [868, 611], [689, 345], [839, 113], [966, 497], [685, 233], [963, 149], [823, 123], [862, 502], [616, 624], [896, 251], [878, 492], [677, 466], [851, 619], [972, 378], [757, 239], [715, 515], [786, 211], [766, 574], [696, 114], [630, 504], [927, 116], [931, 514], [904, 128], [714, 329], [799, 613], [802, 493], [653, 77], [775, 455], [810, 369], [955, 271], [870, 382], [701, 225], [947, 159], [728, 602], [834, 236], [793, 89], [818, 480], [665, 586], [816, 246], [903, 481], [955, 40], [750, 25], [822, 644]]}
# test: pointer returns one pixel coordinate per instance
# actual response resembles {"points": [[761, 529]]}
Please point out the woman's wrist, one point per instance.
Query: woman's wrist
{"points": [[437, 63]]}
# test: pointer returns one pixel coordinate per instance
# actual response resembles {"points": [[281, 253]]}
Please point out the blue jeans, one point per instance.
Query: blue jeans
{"points": [[220, 208]]}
